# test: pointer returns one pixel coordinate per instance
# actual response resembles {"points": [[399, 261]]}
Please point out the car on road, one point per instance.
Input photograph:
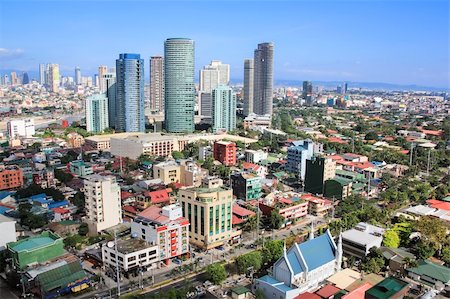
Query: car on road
{"points": [[177, 261]]}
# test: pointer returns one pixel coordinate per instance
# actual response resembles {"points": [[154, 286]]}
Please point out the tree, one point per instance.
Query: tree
{"points": [[373, 262], [272, 251], [259, 294], [62, 176], [79, 200], [391, 239], [445, 254], [251, 259], [83, 229], [424, 249], [177, 155], [216, 273], [276, 220], [433, 230]]}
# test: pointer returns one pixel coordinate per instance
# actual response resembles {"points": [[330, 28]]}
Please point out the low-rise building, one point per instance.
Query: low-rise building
{"points": [[158, 197], [318, 206], [164, 227], [225, 152], [257, 122], [7, 231], [11, 177], [246, 186], [358, 241], [289, 205], [212, 182], [389, 288], [191, 174], [80, 168], [253, 156], [74, 140], [169, 172], [430, 273], [131, 254], [338, 188]]}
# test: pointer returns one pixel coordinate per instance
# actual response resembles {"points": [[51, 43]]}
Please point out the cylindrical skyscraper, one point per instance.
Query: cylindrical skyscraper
{"points": [[77, 76], [248, 86], [130, 93], [179, 85], [263, 79]]}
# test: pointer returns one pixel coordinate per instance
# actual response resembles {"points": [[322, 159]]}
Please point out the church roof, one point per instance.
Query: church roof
{"points": [[318, 251]]}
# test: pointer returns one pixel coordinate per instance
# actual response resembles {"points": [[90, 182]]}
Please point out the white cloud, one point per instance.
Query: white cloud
{"points": [[11, 53]]}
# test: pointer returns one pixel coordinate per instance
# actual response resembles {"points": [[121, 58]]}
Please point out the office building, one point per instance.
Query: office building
{"points": [[96, 113], [25, 78], [53, 76], [157, 83], [224, 109], [213, 75], [225, 152], [345, 88], [246, 186], [14, 79], [130, 93], [307, 92], [206, 104], [248, 86], [318, 170], [109, 83], [209, 214], [77, 76], [102, 203], [134, 255], [42, 74], [11, 177], [164, 227], [298, 153], [20, 128], [102, 70], [179, 85], [263, 79]]}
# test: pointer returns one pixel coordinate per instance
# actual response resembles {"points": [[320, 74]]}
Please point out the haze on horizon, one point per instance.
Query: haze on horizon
{"points": [[400, 42]]}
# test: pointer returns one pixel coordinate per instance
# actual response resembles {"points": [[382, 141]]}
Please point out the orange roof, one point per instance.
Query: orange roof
{"points": [[336, 140], [359, 292], [130, 209], [248, 165], [125, 194], [61, 210], [405, 152], [335, 157], [242, 212], [236, 220], [328, 291], [331, 131], [159, 196], [307, 295], [432, 132], [439, 204]]}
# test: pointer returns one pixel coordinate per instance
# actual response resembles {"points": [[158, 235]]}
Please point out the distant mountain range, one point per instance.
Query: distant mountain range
{"points": [[292, 83]]}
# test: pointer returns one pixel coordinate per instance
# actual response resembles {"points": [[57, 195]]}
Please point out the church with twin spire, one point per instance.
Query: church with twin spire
{"points": [[303, 267]]}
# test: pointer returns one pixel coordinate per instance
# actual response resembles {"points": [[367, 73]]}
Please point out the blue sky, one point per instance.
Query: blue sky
{"points": [[394, 41]]}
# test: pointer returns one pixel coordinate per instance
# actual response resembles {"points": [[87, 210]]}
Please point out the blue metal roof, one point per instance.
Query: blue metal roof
{"points": [[283, 287], [57, 204], [294, 262], [4, 194], [3, 210], [269, 279], [318, 251]]}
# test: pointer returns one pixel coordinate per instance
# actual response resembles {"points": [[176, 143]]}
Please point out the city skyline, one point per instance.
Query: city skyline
{"points": [[373, 41]]}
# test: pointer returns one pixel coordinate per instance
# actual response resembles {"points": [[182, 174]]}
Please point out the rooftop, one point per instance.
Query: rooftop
{"points": [[387, 288], [34, 243], [427, 268], [126, 246]]}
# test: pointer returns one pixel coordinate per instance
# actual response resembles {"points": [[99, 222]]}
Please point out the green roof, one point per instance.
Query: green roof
{"points": [[341, 181], [32, 243], [61, 276], [68, 222], [427, 268], [340, 294], [279, 174], [239, 290], [447, 198], [386, 288]]}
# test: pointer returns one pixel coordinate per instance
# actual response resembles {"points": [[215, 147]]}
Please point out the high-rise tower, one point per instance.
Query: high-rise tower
{"points": [[77, 76], [102, 70], [109, 82], [213, 75], [42, 73], [179, 85], [157, 83], [130, 93], [96, 113], [224, 109], [53, 77], [248, 86], [263, 79]]}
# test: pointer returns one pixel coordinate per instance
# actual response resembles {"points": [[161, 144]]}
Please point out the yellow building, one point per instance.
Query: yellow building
{"points": [[209, 214], [168, 172], [54, 77]]}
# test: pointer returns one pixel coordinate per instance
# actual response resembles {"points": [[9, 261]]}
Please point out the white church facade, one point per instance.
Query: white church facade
{"points": [[302, 268]]}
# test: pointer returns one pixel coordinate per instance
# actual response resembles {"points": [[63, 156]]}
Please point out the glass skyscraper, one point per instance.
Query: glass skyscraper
{"points": [[130, 93], [263, 79], [179, 85]]}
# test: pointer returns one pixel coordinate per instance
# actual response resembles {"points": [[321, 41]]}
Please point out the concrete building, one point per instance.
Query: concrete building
{"points": [[225, 152], [11, 177], [206, 104], [290, 206], [224, 109], [257, 122], [133, 146], [168, 172], [212, 182], [248, 86], [318, 170], [7, 231], [80, 168], [298, 152], [214, 75], [102, 70], [307, 92], [53, 75], [103, 205], [157, 83], [42, 75], [263, 79], [338, 188], [75, 140], [179, 93], [209, 213], [109, 85], [97, 118], [246, 186], [133, 255], [253, 156], [20, 128], [191, 174], [164, 227], [130, 93], [358, 241]]}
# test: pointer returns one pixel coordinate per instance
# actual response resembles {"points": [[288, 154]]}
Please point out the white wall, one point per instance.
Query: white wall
{"points": [[7, 231]]}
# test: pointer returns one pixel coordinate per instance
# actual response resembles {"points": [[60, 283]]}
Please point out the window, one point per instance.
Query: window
{"points": [[143, 255], [131, 258]]}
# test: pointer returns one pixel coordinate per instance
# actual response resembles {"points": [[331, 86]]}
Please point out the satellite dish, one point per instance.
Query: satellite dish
{"points": [[110, 244]]}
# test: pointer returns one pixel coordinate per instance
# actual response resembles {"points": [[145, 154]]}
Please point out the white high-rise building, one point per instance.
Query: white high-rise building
{"points": [[102, 70], [214, 75], [224, 109], [97, 113], [42, 73], [102, 203], [109, 83], [77, 76], [248, 86], [20, 128]]}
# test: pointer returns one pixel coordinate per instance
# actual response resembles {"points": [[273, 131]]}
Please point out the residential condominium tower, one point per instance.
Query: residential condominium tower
{"points": [[54, 77], [224, 109], [96, 113], [130, 93], [77, 76], [42, 75], [179, 85], [263, 79], [248, 86], [102, 70], [214, 75], [157, 83], [109, 82]]}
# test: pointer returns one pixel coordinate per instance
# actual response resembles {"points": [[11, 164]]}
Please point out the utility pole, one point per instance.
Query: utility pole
{"points": [[428, 162], [117, 263], [368, 186]]}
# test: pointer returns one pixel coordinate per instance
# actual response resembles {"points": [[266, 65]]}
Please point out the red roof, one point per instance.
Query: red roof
{"points": [[61, 210], [236, 220], [285, 200], [336, 140], [242, 212], [248, 165], [432, 132], [159, 196], [328, 291], [335, 157], [130, 209], [359, 292], [331, 131], [439, 204], [307, 295], [405, 152], [125, 194]]}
